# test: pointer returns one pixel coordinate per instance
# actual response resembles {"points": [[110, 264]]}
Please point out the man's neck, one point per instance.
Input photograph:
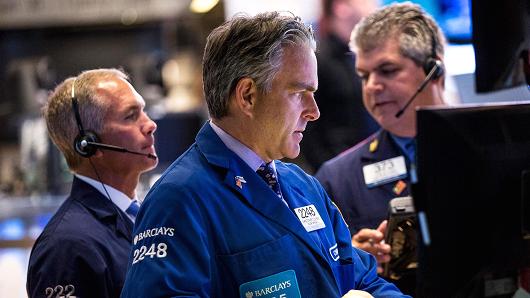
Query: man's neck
{"points": [[240, 131], [127, 185], [234, 128]]}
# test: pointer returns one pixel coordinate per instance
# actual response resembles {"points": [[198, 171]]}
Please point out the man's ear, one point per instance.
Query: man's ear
{"points": [[245, 96]]}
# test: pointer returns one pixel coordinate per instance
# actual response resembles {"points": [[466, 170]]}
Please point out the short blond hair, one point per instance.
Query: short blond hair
{"points": [[59, 115]]}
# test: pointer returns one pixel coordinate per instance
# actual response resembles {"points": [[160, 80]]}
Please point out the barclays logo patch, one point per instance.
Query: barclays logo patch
{"points": [[165, 231], [279, 285], [334, 252]]}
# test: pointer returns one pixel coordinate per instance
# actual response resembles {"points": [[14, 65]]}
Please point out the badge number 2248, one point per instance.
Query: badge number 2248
{"points": [[310, 218], [306, 212], [155, 250]]}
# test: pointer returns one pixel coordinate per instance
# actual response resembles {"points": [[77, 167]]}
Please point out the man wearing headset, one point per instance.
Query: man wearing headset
{"points": [[399, 50], [94, 119]]}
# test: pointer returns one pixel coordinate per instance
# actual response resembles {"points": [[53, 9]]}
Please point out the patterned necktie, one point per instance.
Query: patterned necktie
{"points": [[266, 172], [133, 209]]}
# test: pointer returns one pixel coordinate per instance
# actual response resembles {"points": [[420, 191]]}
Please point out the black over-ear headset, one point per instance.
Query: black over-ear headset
{"points": [[82, 142], [433, 63], [87, 142], [433, 67]]}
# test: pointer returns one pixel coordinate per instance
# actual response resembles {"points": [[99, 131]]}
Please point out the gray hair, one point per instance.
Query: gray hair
{"points": [[59, 114], [417, 33], [249, 47]]}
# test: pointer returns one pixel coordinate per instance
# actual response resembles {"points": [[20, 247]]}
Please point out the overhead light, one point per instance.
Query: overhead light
{"points": [[202, 6]]}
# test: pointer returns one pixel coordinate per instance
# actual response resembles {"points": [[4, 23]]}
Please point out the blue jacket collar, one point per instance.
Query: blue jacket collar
{"points": [[254, 190], [386, 148], [213, 149], [101, 207], [239, 176]]}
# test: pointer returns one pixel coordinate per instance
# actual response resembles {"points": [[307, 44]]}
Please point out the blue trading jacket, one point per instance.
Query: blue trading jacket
{"points": [[83, 250], [210, 227], [342, 178]]}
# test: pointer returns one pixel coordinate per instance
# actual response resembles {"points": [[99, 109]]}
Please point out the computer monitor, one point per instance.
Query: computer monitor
{"points": [[472, 199]]}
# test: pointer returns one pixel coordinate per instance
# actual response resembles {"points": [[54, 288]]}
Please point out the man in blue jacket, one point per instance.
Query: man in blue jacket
{"points": [[227, 219], [83, 250], [399, 49]]}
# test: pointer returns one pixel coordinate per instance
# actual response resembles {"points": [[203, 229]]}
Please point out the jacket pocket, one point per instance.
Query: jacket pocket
{"points": [[266, 259]]}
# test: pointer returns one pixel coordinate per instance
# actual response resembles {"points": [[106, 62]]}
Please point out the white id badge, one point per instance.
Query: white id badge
{"points": [[310, 218], [385, 171]]}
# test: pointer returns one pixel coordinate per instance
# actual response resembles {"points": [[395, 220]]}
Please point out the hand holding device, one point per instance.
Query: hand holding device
{"points": [[401, 236], [373, 242]]}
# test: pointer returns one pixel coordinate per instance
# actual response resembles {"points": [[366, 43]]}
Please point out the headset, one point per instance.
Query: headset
{"points": [[87, 142], [433, 64], [433, 67], [84, 138]]}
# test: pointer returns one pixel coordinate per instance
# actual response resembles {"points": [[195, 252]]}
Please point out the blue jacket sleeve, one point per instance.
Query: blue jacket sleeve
{"points": [[170, 256], [362, 273]]}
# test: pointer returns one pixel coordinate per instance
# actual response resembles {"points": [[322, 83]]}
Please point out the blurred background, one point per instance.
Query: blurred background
{"points": [[159, 44]]}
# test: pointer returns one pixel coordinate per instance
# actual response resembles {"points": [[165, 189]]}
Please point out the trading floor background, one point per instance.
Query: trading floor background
{"points": [[159, 44]]}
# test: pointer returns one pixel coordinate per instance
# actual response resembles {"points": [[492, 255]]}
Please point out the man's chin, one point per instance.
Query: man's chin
{"points": [[293, 153], [152, 164]]}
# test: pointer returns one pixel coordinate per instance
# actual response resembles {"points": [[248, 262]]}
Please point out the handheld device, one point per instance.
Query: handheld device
{"points": [[401, 236]]}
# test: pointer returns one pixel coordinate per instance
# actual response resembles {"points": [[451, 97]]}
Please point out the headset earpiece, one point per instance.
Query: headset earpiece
{"points": [[432, 63], [82, 146], [81, 141], [433, 68]]}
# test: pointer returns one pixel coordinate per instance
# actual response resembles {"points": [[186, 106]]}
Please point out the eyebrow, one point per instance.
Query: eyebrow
{"points": [[132, 108], [304, 86], [379, 66]]}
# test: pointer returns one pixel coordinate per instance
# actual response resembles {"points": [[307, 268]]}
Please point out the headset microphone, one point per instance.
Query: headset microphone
{"points": [[433, 74], [83, 144], [87, 142]]}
